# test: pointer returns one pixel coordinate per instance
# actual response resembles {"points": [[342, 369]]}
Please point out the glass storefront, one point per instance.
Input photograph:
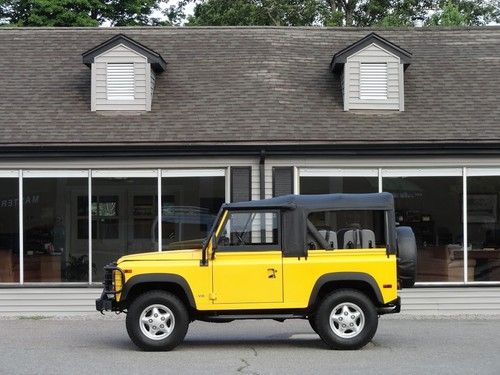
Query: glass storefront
{"points": [[329, 185], [124, 216], [52, 250], [432, 207], [483, 223], [189, 208], [9, 230], [124, 211]]}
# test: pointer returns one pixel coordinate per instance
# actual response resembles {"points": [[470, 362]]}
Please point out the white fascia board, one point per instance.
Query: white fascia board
{"points": [[338, 172], [9, 173], [483, 172], [421, 172], [59, 173], [121, 173], [219, 172]]}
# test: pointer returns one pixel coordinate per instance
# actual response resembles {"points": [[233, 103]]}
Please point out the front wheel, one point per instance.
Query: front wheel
{"points": [[157, 320], [346, 319]]}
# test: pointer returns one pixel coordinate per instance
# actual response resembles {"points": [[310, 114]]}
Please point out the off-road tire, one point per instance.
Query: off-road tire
{"points": [[157, 297], [351, 298], [312, 323]]}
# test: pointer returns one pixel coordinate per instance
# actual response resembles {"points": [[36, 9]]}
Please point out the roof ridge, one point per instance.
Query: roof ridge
{"points": [[315, 28]]}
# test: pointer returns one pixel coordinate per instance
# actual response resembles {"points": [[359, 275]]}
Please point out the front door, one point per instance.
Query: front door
{"points": [[247, 267]]}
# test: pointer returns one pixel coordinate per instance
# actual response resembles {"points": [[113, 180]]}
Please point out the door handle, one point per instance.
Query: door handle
{"points": [[272, 273]]}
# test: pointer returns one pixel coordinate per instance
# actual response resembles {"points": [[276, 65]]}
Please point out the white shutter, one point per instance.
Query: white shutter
{"points": [[373, 81], [120, 81]]}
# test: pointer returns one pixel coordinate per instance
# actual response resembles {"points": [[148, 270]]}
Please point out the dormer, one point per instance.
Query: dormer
{"points": [[123, 75], [372, 74]]}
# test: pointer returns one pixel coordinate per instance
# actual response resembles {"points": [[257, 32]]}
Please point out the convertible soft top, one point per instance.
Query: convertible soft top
{"points": [[295, 209], [372, 201]]}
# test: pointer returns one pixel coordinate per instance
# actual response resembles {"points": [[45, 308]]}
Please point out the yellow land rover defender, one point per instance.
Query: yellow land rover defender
{"points": [[337, 260]]}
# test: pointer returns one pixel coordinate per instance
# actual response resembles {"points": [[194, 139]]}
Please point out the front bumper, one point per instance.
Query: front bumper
{"points": [[107, 301], [392, 307]]}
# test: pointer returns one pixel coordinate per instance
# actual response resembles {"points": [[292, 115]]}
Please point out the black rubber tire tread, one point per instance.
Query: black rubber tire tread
{"points": [[312, 322], [326, 306], [178, 309], [407, 256]]}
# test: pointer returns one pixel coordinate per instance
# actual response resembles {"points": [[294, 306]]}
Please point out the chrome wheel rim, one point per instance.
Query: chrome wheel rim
{"points": [[347, 320], [157, 322]]}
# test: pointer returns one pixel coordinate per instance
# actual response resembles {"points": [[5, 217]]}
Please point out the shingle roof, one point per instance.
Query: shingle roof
{"points": [[249, 86]]}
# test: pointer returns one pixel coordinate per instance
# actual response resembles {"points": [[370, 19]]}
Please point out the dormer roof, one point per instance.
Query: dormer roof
{"points": [[155, 59], [341, 56]]}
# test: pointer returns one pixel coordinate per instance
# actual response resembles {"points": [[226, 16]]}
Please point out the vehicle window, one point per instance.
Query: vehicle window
{"points": [[356, 229], [250, 230]]}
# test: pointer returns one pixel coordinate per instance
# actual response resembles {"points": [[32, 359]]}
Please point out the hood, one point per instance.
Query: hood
{"points": [[188, 254]]}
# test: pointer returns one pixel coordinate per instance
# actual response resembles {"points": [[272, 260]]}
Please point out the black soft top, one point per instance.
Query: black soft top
{"points": [[296, 208], [372, 201]]}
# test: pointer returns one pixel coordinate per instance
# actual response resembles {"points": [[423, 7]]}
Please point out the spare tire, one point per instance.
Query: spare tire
{"points": [[407, 256]]}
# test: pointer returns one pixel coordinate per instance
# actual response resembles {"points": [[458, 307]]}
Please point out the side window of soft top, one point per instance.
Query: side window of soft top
{"points": [[349, 229], [250, 230]]}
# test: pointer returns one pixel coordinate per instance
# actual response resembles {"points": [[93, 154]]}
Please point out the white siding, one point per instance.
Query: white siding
{"points": [[416, 301], [373, 54], [120, 55]]}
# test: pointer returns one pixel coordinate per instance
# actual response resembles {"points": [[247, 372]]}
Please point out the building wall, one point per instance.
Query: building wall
{"points": [[73, 298], [417, 301]]}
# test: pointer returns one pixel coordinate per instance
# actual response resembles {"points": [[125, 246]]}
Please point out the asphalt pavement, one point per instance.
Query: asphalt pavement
{"points": [[101, 346]]}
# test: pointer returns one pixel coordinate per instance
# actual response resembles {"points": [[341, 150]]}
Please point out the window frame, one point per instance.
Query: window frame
{"points": [[243, 248], [387, 236]]}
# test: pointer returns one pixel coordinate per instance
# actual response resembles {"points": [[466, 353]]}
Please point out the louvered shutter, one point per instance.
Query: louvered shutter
{"points": [[282, 181], [120, 81], [241, 184], [373, 81]]}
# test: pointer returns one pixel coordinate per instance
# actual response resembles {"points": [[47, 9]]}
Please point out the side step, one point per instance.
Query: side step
{"points": [[230, 317]]}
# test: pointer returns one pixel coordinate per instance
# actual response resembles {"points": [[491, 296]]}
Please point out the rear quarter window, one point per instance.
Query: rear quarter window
{"points": [[351, 229]]}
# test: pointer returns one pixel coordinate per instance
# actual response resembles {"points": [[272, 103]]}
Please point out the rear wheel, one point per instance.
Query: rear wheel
{"points": [[312, 322], [346, 319], [157, 320]]}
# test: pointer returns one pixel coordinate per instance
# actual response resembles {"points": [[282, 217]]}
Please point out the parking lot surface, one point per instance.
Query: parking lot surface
{"points": [[101, 346]]}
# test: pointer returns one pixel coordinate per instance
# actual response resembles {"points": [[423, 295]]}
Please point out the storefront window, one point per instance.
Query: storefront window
{"points": [[432, 206], [189, 208], [52, 251], [483, 226], [329, 185], [124, 212], [9, 230]]}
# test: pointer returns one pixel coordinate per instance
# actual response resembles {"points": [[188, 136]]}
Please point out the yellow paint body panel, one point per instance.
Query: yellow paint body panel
{"points": [[262, 279]]}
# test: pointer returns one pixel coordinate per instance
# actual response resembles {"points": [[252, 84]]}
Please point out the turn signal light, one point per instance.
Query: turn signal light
{"points": [[387, 286]]}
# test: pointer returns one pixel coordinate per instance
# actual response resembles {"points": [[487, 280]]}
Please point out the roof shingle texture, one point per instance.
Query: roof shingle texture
{"points": [[249, 86]]}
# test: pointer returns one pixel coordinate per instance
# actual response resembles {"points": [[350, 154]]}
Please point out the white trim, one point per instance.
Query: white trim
{"points": [[227, 185], [219, 172], [9, 173], [21, 229], [476, 172], [89, 221], [421, 172], [380, 181], [159, 214], [124, 173], [60, 173], [296, 181], [338, 172], [465, 218]]}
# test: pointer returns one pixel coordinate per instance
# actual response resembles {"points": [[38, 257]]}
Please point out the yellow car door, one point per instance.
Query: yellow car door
{"points": [[247, 264]]}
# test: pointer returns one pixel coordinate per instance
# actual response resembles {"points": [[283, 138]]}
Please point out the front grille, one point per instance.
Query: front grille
{"points": [[108, 277]]}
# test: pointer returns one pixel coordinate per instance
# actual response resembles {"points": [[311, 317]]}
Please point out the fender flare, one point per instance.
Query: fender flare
{"points": [[345, 276], [158, 278]]}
